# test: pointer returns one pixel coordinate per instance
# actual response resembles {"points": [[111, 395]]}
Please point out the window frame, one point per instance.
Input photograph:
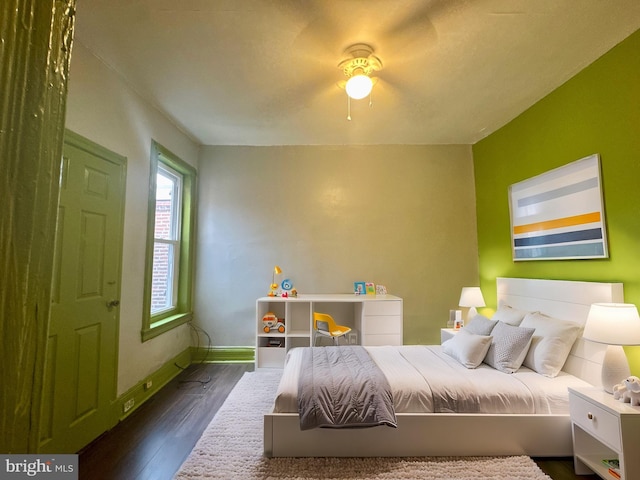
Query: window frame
{"points": [[167, 319]]}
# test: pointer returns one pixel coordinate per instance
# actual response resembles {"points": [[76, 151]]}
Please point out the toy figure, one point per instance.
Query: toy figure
{"points": [[628, 391], [270, 321], [633, 390]]}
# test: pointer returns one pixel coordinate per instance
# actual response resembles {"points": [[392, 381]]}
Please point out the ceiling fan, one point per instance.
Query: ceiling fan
{"points": [[355, 35]]}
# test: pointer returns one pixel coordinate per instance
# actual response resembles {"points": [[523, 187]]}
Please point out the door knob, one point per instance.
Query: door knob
{"points": [[112, 303]]}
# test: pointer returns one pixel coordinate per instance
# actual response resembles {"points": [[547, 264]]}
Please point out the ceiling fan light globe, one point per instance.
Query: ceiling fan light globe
{"points": [[359, 86]]}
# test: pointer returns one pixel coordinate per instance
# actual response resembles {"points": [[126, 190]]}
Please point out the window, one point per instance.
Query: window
{"points": [[166, 241], [170, 243]]}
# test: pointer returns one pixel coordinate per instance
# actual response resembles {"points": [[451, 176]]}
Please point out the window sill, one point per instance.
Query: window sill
{"points": [[166, 324]]}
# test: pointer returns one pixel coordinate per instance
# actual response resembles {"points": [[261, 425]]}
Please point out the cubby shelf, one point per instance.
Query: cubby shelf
{"points": [[375, 320]]}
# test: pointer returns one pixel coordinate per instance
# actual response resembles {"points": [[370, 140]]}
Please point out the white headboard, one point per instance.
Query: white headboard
{"points": [[564, 300]]}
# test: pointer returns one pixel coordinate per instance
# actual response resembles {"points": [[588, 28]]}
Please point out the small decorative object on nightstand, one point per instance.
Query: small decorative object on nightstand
{"points": [[604, 430], [452, 319]]}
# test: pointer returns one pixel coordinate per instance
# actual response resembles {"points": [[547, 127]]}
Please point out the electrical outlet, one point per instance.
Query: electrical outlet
{"points": [[148, 384], [128, 405]]}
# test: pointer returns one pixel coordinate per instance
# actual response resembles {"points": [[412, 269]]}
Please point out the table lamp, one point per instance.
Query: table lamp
{"points": [[274, 286], [471, 297], [614, 324]]}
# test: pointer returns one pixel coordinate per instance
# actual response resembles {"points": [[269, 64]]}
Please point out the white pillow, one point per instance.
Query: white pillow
{"points": [[480, 325], [508, 347], [509, 315], [550, 344], [467, 348]]}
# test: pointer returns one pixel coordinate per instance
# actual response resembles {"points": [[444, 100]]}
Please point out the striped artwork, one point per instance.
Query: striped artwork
{"points": [[559, 214]]}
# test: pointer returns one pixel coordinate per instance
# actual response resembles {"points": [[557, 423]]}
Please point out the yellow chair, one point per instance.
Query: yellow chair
{"points": [[323, 324]]}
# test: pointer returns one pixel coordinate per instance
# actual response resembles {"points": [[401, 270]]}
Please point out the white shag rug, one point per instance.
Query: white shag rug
{"points": [[231, 448]]}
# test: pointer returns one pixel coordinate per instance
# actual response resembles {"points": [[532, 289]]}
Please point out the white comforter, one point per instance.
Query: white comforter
{"points": [[423, 379]]}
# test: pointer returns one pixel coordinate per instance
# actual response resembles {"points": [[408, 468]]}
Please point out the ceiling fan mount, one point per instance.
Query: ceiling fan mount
{"points": [[362, 61]]}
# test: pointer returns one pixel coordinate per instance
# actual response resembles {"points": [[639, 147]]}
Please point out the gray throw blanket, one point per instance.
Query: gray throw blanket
{"points": [[343, 387]]}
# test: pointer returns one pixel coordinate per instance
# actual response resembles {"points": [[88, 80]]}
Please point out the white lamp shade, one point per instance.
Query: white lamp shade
{"points": [[613, 324], [359, 86], [471, 297]]}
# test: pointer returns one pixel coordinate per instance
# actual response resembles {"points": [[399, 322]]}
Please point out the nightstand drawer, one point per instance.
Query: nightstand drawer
{"points": [[596, 421]]}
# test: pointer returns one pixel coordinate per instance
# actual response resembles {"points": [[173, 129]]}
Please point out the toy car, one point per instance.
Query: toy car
{"points": [[270, 321]]}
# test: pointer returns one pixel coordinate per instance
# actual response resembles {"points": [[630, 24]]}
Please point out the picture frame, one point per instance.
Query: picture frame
{"points": [[381, 290], [559, 215], [359, 288], [370, 287]]}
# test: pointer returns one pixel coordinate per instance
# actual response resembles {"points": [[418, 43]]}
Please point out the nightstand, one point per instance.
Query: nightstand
{"points": [[447, 333], [604, 428]]}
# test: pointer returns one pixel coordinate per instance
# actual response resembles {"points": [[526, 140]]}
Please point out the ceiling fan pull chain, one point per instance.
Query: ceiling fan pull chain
{"points": [[371, 98], [348, 108]]}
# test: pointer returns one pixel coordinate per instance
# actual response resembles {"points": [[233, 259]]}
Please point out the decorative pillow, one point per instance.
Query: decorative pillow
{"points": [[508, 347], [509, 315], [480, 325], [550, 344], [467, 348]]}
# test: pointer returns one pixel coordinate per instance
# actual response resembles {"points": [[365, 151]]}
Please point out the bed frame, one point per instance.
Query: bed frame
{"points": [[436, 434]]}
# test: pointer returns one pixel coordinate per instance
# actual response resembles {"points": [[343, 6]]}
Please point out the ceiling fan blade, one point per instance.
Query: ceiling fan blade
{"points": [[414, 31], [320, 28], [304, 92]]}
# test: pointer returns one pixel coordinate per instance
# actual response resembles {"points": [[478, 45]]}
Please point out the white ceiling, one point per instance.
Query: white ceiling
{"points": [[264, 72]]}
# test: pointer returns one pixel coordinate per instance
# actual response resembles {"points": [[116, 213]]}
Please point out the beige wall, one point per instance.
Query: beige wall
{"points": [[401, 216], [102, 108]]}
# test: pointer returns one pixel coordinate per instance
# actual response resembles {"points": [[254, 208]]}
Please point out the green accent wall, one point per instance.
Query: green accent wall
{"points": [[596, 111]]}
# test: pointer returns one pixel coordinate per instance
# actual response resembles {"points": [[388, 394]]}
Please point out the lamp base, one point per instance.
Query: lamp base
{"points": [[615, 367], [472, 313]]}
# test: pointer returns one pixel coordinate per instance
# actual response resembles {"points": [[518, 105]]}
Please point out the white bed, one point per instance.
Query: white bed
{"points": [[407, 367], [540, 426]]}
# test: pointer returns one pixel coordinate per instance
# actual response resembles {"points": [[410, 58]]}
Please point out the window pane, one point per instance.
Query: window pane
{"points": [[162, 283], [165, 207]]}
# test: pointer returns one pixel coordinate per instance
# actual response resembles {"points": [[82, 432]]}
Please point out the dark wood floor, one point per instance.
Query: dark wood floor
{"points": [[153, 441]]}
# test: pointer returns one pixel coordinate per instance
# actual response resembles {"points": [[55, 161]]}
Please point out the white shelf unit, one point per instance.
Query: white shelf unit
{"points": [[604, 428], [375, 320], [296, 316]]}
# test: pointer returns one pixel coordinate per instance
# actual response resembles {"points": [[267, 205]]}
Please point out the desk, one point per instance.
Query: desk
{"points": [[377, 319]]}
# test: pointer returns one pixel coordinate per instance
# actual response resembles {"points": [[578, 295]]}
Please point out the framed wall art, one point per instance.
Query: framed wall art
{"points": [[559, 214]]}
